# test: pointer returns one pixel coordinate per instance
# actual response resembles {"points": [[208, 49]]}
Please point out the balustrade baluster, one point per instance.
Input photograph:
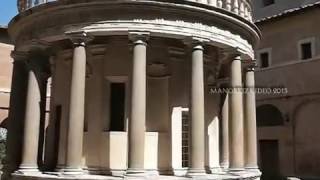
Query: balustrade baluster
{"points": [[241, 8], [212, 3], [228, 5], [235, 7], [246, 12]]}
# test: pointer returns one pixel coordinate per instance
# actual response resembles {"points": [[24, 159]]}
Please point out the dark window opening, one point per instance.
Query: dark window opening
{"points": [[306, 51], [269, 115], [117, 107], [267, 2], [264, 60]]}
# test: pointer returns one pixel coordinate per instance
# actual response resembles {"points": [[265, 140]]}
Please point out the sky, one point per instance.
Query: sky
{"points": [[8, 9]]}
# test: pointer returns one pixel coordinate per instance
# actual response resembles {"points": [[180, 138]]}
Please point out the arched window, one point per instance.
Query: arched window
{"points": [[269, 115]]}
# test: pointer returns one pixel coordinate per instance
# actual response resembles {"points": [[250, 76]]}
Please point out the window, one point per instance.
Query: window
{"points": [[267, 2], [306, 52], [264, 58], [306, 48], [117, 107]]}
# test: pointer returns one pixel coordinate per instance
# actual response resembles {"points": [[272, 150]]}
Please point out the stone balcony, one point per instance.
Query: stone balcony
{"points": [[241, 8]]}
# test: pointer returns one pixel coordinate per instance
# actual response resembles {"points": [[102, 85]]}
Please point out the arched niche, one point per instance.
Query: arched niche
{"points": [[269, 115]]}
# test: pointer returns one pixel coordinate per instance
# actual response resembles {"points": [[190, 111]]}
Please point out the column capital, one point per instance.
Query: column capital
{"points": [[237, 57], [79, 38], [231, 53], [250, 65], [196, 43], [19, 55], [139, 37]]}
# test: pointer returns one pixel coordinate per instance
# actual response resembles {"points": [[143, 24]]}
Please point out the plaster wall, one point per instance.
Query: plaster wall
{"points": [[297, 151], [5, 74]]}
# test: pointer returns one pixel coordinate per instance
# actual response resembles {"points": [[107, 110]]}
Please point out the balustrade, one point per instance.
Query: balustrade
{"points": [[242, 8]]}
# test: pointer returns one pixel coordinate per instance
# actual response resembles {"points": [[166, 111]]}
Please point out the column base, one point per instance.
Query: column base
{"points": [[59, 168], [236, 169], [28, 170], [66, 171], [179, 171], [214, 170], [224, 165], [196, 172], [252, 168], [152, 172], [118, 172], [136, 172]]}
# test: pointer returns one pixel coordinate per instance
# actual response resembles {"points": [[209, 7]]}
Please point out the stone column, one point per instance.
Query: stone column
{"points": [[225, 132], [197, 145], [76, 108], [236, 158], [250, 122], [29, 163], [16, 116], [137, 127]]}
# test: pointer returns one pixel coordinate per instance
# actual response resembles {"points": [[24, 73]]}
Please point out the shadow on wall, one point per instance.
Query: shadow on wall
{"points": [[269, 161], [307, 132]]}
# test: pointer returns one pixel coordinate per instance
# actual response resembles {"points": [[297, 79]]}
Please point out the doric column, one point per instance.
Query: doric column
{"points": [[236, 158], [137, 127], [76, 107], [197, 145], [250, 122], [29, 163], [225, 132], [16, 115]]}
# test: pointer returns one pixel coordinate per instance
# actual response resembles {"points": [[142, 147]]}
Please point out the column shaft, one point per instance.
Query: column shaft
{"points": [[138, 108], [197, 145], [31, 125], [250, 122], [16, 116], [225, 132], [76, 111], [236, 117]]}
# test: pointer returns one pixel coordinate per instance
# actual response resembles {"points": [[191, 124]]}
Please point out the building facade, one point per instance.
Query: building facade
{"points": [[288, 119], [5, 75], [269, 8], [132, 90]]}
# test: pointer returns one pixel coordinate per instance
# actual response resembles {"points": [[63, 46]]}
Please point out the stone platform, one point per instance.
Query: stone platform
{"points": [[216, 176]]}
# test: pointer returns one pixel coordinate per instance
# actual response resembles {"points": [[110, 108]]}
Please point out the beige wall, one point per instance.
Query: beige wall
{"points": [[5, 73], [298, 152]]}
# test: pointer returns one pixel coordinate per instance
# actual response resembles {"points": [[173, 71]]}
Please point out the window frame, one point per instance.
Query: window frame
{"points": [[312, 41], [262, 51]]}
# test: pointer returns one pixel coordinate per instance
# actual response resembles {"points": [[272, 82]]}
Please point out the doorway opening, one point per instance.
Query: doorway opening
{"points": [[117, 106], [269, 159]]}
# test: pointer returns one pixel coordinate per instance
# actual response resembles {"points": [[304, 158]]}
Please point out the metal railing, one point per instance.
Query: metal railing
{"points": [[242, 8]]}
